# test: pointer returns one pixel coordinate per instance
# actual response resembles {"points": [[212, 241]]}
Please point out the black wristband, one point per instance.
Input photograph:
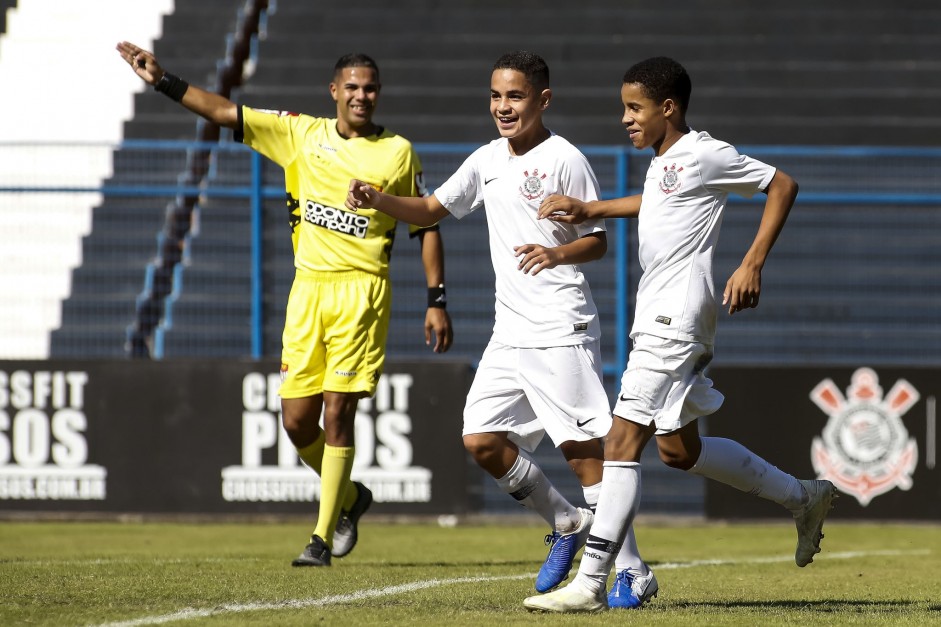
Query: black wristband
{"points": [[437, 297], [173, 86]]}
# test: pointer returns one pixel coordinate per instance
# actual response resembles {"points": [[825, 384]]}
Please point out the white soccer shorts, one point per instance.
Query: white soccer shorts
{"points": [[529, 392], [665, 384]]}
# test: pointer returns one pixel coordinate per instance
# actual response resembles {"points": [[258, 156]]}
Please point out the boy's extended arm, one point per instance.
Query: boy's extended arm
{"points": [[744, 286], [536, 257], [417, 210], [574, 211]]}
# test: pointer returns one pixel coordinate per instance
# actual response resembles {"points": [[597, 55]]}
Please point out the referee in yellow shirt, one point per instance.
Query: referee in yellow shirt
{"points": [[338, 310]]}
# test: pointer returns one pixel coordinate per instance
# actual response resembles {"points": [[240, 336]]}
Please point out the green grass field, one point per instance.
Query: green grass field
{"points": [[80, 573]]}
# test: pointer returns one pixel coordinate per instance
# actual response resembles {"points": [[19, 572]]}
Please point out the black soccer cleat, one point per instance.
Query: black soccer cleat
{"points": [[317, 553]]}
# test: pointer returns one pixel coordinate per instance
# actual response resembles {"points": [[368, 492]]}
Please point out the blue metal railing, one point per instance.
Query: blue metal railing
{"points": [[864, 177]]}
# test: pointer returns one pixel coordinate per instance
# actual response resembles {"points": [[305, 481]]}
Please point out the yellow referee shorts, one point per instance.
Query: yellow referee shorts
{"points": [[334, 333]]}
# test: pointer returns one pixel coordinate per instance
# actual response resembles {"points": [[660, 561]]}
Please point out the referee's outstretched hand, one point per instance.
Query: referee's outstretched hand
{"points": [[143, 62]]}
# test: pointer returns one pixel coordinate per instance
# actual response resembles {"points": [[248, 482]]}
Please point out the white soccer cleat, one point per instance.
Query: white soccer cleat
{"points": [[571, 599], [809, 519]]}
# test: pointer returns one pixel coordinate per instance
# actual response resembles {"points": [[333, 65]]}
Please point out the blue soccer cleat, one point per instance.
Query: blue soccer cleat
{"points": [[562, 550], [631, 590]]}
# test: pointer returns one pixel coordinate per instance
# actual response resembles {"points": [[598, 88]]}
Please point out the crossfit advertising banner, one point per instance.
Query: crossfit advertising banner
{"points": [[205, 437], [870, 431]]}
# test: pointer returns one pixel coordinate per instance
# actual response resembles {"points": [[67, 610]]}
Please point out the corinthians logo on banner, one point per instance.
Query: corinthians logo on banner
{"points": [[865, 449]]}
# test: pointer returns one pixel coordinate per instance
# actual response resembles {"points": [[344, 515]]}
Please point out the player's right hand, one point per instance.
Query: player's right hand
{"points": [[563, 209], [143, 62], [361, 196]]}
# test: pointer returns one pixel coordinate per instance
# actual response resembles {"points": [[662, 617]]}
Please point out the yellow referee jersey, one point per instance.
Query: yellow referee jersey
{"points": [[318, 165]]}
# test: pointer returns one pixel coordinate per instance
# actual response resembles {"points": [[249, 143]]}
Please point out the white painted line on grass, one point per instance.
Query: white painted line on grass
{"points": [[308, 603], [846, 555], [235, 608]]}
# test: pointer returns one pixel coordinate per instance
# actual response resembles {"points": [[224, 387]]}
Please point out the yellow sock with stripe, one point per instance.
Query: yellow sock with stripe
{"points": [[312, 454], [334, 479]]}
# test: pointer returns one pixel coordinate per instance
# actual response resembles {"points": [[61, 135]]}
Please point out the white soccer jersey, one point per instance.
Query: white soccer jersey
{"points": [[680, 216], [554, 307]]}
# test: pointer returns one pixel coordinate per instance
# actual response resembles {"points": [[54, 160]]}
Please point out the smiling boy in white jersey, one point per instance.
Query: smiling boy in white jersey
{"points": [[664, 389], [541, 371]]}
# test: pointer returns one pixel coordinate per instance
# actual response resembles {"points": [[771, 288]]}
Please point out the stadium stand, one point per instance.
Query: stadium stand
{"points": [[142, 237], [46, 125], [789, 67]]}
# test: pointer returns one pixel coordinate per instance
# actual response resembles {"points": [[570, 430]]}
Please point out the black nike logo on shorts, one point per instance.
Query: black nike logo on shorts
{"points": [[582, 423]]}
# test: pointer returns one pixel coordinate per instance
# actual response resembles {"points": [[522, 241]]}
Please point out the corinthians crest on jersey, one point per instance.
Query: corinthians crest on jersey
{"points": [[533, 186], [670, 182], [865, 449]]}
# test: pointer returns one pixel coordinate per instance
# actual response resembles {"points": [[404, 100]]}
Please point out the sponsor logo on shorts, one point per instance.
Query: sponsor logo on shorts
{"points": [[581, 326], [345, 373], [865, 449], [582, 423], [337, 220], [663, 319]]}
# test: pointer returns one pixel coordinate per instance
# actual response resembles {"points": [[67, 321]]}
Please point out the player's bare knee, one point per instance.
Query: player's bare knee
{"points": [[676, 459], [482, 446]]}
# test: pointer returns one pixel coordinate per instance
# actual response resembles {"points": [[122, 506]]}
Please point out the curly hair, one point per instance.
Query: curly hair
{"points": [[662, 78]]}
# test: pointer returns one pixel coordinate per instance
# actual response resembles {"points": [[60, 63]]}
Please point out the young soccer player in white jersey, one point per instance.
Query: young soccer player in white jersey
{"points": [[338, 311], [664, 389], [541, 371]]}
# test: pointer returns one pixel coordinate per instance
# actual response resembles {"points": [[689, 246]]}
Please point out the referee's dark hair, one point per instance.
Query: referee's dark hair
{"points": [[356, 59]]}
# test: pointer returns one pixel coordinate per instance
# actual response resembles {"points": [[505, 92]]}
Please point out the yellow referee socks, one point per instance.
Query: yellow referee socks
{"points": [[334, 479], [312, 454]]}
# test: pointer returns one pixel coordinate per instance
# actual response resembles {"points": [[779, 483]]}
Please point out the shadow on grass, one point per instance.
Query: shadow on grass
{"points": [[527, 564], [819, 605]]}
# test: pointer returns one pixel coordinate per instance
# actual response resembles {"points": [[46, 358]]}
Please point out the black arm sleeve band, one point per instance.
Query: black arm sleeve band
{"points": [[173, 86], [437, 297]]}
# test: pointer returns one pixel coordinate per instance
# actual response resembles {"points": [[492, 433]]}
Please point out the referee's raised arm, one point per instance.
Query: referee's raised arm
{"points": [[215, 108]]}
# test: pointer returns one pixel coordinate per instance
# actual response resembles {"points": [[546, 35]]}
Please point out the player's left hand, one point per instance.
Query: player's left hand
{"points": [[743, 289], [560, 208], [361, 196], [143, 62], [438, 324], [536, 258]]}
